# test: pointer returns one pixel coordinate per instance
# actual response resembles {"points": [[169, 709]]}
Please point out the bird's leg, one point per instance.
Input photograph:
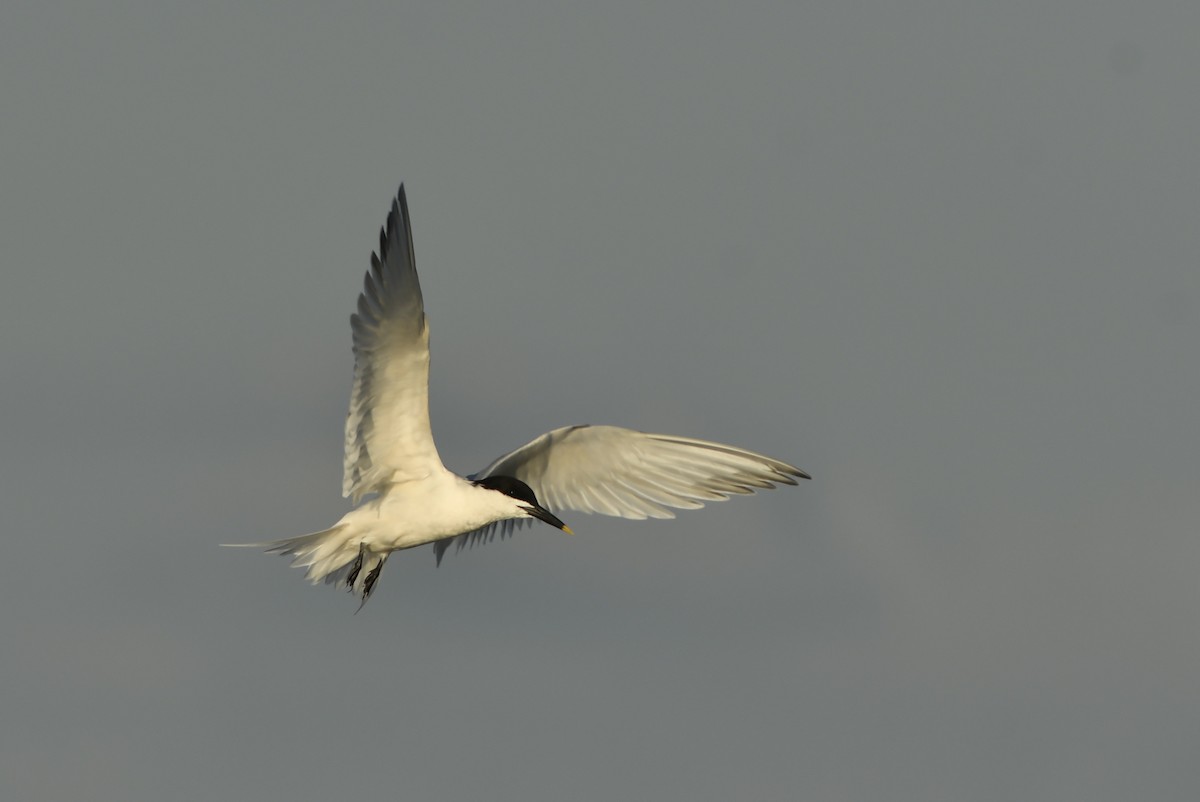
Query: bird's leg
{"points": [[369, 582], [352, 577], [372, 578]]}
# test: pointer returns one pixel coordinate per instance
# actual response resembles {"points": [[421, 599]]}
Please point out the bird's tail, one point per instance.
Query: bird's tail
{"points": [[334, 556]]}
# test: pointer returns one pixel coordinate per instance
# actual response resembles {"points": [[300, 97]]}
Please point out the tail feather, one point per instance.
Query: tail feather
{"points": [[329, 555], [336, 556]]}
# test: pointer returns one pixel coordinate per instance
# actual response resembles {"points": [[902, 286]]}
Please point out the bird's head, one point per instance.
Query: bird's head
{"points": [[528, 504]]}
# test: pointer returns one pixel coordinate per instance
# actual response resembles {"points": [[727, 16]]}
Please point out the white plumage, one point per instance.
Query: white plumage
{"points": [[390, 452]]}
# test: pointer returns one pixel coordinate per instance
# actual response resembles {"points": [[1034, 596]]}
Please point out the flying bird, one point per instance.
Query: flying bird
{"points": [[391, 457]]}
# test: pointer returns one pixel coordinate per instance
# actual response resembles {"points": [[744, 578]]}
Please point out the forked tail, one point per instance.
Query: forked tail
{"points": [[333, 556]]}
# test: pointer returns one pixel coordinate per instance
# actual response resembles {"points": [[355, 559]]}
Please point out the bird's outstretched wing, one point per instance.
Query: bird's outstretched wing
{"points": [[388, 439], [630, 474]]}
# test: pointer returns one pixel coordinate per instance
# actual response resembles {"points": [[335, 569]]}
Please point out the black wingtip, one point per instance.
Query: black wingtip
{"points": [[402, 202]]}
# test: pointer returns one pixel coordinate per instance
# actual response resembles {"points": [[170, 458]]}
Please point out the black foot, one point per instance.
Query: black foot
{"points": [[369, 582], [372, 578], [352, 577]]}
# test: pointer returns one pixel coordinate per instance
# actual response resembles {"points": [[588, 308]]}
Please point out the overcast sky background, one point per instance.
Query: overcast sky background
{"points": [[944, 256]]}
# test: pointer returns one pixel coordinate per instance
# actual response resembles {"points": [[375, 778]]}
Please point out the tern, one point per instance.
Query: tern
{"points": [[414, 499]]}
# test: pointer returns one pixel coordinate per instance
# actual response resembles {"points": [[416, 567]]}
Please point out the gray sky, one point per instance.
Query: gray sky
{"points": [[942, 255]]}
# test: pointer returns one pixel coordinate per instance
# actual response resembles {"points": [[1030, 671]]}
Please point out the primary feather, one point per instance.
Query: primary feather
{"points": [[388, 438], [628, 474]]}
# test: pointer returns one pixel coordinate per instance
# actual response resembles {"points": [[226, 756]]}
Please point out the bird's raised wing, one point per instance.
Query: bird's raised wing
{"points": [[388, 439], [630, 474]]}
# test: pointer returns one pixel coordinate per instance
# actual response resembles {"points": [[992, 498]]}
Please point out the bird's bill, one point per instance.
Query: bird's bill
{"points": [[546, 516]]}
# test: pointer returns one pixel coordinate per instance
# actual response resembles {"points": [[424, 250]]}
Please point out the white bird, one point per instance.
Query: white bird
{"points": [[415, 500]]}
